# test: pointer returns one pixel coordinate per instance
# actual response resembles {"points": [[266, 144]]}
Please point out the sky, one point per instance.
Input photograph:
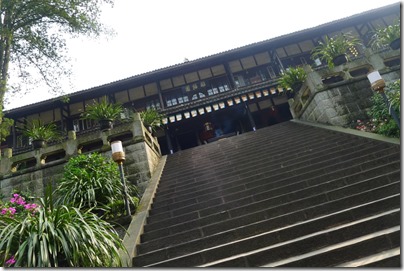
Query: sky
{"points": [[153, 34]]}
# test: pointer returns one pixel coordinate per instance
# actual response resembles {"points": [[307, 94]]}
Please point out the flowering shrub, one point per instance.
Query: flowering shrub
{"points": [[92, 181], [48, 235], [17, 205], [16, 208]]}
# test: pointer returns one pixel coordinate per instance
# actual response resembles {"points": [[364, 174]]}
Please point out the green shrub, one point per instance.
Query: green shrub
{"points": [[383, 36], [36, 130], [151, 118], [91, 181], [47, 235], [379, 112], [292, 77], [102, 111], [335, 46]]}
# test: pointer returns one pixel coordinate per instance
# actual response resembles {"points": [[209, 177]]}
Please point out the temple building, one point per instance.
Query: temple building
{"points": [[216, 96]]}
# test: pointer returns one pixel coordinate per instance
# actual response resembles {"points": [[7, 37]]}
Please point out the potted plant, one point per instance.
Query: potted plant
{"points": [[293, 79], [334, 50], [103, 112], [386, 36], [40, 133], [151, 119]]}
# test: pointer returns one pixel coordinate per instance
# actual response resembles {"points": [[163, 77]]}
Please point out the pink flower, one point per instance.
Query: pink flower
{"points": [[30, 207], [17, 199], [10, 261], [12, 210]]}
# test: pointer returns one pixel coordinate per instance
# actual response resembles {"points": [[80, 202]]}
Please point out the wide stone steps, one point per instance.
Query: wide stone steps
{"points": [[305, 154], [298, 199], [223, 203], [223, 185], [259, 189]]}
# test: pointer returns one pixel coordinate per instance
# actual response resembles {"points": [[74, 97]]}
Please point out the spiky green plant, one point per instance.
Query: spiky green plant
{"points": [[151, 118], [292, 76], [333, 47], [36, 130], [102, 111], [58, 236], [383, 36], [91, 181]]}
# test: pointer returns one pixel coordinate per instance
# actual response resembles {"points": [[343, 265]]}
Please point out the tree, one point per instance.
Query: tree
{"points": [[32, 34]]}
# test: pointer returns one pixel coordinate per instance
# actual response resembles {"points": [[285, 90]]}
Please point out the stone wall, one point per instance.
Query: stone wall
{"points": [[32, 171], [342, 95]]}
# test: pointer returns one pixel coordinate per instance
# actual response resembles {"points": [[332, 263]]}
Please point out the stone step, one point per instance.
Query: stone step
{"points": [[289, 195], [265, 135], [215, 233], [246, 152], [352, 183], [338, 254], [242, 163], [260, 139], [385, 227], [228, 201], [218, 186], [282, 243], [283, 182]]}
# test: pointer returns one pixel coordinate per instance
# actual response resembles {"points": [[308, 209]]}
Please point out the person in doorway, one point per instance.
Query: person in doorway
{"points": [[273, 116]]}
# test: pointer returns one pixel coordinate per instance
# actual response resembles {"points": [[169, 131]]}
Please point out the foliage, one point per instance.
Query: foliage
{"points": [[102, 111], [383, 36], [292, 76], [36, 130], [48, 235], [151, 117], [5, 126], [33, 38], [380, 120], [116, 208], [91, 181], [335, 46]]}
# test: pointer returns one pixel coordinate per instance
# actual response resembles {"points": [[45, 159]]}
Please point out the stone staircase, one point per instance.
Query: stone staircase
{"points": [[289, 195]]}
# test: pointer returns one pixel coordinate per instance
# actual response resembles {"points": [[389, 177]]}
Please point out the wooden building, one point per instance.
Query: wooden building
{"points": [[205, 99]]}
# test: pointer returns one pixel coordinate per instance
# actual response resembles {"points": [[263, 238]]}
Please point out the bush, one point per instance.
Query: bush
{"points": [[380, 121], [91, 181], [383, 36], [47, 235], [292, 77]]}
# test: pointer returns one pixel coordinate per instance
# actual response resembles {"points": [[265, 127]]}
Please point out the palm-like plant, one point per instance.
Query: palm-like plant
{"points": [[384, 36], [293, 77], [333, 47], [102, 111], [151, 118], [91, 181], [36, 130], [58, 236]]}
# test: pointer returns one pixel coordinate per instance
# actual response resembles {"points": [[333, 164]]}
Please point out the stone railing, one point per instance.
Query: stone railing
{"points": [[34, 169], [339, 95]]}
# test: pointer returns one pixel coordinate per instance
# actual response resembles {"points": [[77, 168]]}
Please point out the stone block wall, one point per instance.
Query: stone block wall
{"points": [[141, 150], [346, 100]]}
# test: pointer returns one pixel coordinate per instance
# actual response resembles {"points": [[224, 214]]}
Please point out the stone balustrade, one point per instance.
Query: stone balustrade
{"points": [[32, 170], [342, 94]]}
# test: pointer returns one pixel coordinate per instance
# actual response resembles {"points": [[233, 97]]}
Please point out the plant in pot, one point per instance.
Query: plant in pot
{"points": [[151, 119], [334, 50], [292, 80], [41, 133], [103, 112], [386, 36]]}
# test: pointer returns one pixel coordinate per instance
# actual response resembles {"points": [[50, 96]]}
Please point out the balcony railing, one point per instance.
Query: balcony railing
{"points": [[130, 132]]}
